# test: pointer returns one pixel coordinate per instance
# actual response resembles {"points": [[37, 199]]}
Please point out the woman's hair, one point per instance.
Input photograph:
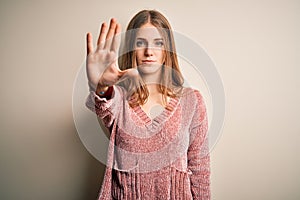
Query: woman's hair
{"points": [[172, 80]]}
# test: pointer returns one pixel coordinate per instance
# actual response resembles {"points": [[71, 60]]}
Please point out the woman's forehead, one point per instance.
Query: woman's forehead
{"points": [[148, 32]]}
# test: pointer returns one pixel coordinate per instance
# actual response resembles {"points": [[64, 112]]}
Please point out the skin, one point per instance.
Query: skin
{"points": [[149, 52], [101, 63], [102, 66]]}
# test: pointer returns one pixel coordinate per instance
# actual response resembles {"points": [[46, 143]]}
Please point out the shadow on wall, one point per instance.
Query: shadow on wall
{"points": [[48, 161], [93, 181], [95, 169]]}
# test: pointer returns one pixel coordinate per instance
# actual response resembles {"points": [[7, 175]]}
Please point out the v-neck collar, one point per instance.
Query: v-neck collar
{"points": [[157, 121]]}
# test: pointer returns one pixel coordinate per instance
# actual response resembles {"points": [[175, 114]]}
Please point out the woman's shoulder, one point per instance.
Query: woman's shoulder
{"points": [[192, 93], [194, 102], [192, 98]]}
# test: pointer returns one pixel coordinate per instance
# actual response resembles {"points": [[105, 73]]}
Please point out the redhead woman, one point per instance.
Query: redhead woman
{"points": [[158, 128]]}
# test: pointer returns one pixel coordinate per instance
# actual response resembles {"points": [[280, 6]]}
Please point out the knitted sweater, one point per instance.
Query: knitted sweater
{"points": [[166, 157]]}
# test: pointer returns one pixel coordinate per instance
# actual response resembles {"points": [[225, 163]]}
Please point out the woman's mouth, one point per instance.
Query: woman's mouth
{"points": [[148, 61]]}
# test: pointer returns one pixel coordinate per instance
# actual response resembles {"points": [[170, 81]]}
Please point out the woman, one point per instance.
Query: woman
{"points": [[158, 129]]}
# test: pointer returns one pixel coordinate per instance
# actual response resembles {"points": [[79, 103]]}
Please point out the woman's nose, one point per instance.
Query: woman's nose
{"points": [[148, 51]]}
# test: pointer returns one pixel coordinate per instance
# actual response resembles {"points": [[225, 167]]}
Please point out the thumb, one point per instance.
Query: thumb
{"points": [[128, 73]]}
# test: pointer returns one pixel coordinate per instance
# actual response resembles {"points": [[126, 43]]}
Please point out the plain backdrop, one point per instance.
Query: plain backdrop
{"points": [[254, 44]]}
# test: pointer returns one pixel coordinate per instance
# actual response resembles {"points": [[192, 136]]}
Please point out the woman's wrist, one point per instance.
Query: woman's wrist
{"points": [[101, 90], [104, 90]]}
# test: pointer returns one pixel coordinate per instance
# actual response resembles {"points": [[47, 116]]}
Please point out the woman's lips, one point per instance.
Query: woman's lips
{"points": [[148, 61]]}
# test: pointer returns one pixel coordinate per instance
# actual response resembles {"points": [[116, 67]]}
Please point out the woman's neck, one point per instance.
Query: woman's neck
{"points": [[155, 95], [152, 79], [153, 89]]}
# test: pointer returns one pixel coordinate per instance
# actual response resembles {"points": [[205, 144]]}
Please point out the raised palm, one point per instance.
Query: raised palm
{"points": [[101, 63]]}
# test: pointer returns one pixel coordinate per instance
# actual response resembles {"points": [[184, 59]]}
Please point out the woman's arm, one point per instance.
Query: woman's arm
{"points": [[106, 106], [198, 153], [103, 72]]}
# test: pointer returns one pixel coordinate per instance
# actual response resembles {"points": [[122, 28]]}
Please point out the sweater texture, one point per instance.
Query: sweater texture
{"points": [[165, 157]]}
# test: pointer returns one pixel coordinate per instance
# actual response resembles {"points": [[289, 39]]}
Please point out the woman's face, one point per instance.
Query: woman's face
{"points": [[149, 47]]}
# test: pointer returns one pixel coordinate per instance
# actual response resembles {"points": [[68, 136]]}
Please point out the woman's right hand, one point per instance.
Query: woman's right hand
{"points": [[102, 63]]}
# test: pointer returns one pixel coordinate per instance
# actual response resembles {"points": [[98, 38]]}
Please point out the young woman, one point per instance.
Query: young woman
{"points": [[158, 128]]}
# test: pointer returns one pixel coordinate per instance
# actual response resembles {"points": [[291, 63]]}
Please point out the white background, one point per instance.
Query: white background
{"points": [[255, 45]]}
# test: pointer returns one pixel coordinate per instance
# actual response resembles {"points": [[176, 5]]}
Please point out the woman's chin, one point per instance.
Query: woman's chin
{"points": [[148, 69]]}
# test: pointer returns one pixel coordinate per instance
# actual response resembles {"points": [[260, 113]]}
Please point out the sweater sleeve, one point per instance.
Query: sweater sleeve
{"points": [[106, 109], [198, 153]]}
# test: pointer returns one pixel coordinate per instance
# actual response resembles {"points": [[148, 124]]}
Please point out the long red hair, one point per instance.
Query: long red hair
{"points": [[171, 83]]}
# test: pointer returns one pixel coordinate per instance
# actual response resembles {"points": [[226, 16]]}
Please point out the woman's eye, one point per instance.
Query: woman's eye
{"points": [[140, 44], [159, 44]]}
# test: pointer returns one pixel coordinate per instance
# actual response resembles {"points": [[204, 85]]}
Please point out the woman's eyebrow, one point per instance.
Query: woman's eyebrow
{"points": [[146, 39]]}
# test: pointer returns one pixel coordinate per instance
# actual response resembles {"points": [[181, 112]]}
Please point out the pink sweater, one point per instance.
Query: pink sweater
{"points": [[166, 157]]}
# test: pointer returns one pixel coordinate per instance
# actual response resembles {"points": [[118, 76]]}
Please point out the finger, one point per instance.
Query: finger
{"points": [[117, 39], [89, 43], [110, 34], [102, 36]]}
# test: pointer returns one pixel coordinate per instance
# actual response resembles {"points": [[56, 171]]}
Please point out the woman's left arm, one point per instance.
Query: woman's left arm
{"points": [[198, 153]]}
